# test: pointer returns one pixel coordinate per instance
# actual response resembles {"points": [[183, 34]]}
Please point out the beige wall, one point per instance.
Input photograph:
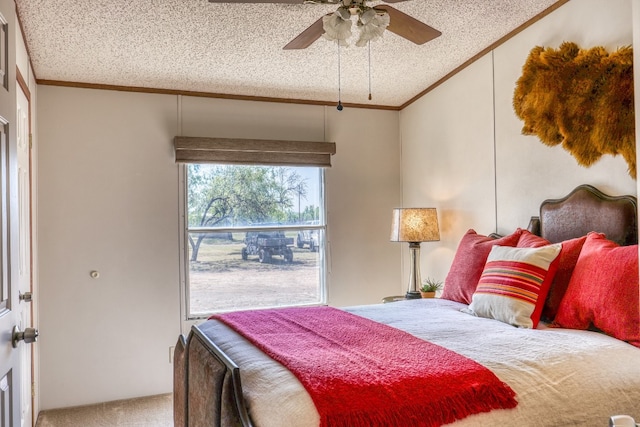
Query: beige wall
{"points": [[108, 201], [462, 151], [363, 187], [528, 171], [448, 161]]}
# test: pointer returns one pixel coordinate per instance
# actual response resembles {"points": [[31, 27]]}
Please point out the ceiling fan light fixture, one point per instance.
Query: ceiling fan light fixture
{"points": [[372, 26], [337, 26], [344, 13], [366, 16], [372, 23]]}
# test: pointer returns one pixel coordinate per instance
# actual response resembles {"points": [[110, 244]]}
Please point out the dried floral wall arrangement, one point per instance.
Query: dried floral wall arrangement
{"points": [[582, 99]]}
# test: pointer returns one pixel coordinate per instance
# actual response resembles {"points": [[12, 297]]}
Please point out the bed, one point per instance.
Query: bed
{"points": [[579, 375]]}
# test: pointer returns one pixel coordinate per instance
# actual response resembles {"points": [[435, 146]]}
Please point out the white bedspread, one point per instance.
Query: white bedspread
{"points": [[561, 377]]}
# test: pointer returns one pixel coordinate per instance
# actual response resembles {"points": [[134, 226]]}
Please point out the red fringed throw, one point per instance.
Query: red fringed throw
{"points": [[360, 373]]}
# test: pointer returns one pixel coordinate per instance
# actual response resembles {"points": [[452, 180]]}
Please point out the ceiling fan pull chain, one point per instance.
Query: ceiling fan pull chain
{"points": [[339, 107], [369, 70]]}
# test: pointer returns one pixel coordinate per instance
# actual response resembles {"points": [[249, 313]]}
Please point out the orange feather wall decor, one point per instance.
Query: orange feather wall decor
{"points": [[582, 99]]}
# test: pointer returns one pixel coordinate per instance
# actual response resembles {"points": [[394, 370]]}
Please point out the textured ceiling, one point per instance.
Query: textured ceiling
{"points": [[236, 49]]}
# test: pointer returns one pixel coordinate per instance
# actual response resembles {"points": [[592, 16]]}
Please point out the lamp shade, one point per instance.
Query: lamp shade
{"points": [[414, 225]]}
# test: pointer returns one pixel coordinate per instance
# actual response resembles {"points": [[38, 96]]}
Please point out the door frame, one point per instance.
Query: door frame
{"points": [[21, 84]]}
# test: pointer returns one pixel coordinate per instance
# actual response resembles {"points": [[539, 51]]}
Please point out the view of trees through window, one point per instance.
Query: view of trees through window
{"points": [[255, 237]]}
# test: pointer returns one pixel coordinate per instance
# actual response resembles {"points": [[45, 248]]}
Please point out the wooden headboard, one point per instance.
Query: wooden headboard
{"points": [[587, 209]]}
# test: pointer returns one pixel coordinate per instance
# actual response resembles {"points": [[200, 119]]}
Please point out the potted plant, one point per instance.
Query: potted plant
{"points": [[429, 288]]}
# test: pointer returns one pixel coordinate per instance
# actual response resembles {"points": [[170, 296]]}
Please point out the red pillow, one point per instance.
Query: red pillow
{"points": [[468, 263], [566, 262], [529, 240], [603, 290]]}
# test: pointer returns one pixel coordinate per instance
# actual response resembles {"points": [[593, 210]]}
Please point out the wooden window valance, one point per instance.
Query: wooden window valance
{"points": [[253, 151]]}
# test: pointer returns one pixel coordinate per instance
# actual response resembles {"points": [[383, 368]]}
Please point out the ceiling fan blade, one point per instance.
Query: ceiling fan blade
{"points": [[307, 37], [408, 27]]}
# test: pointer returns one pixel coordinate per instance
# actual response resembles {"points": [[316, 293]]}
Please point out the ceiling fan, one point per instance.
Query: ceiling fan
{"points": [[378, 18]]}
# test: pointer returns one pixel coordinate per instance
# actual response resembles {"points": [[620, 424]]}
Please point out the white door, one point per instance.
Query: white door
{"points": [[24, 253], [10, 311]]}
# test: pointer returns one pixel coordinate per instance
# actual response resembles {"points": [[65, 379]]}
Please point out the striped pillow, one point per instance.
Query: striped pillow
{"points": [[514, 284]]}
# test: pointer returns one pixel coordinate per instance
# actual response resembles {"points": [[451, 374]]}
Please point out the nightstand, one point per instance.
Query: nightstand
{"points": [[393, 299]]}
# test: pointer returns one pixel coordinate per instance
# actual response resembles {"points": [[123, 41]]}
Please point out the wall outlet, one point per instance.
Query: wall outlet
{"points": [[171, 350]]}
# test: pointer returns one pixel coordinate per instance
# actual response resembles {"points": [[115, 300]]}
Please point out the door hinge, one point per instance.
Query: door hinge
{"points": [[30, 141], [33, 390]]}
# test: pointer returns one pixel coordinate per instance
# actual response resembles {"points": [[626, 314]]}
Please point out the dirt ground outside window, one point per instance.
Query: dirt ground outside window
{"points": [[220, 280]]}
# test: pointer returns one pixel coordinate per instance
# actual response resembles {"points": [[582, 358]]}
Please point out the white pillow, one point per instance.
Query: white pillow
{"points": [[514, 284]]}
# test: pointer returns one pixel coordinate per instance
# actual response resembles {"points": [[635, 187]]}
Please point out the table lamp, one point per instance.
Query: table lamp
{"points": [[414, 225]]}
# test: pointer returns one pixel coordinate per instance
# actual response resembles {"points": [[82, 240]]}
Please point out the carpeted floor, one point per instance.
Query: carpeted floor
{"points": [[152, 411]]}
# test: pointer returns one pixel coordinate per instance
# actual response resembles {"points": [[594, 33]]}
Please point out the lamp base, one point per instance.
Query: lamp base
{"points": [[413, 295]]}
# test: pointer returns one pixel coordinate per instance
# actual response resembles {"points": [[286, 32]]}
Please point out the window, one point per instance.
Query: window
{"points": [[254, 237]]}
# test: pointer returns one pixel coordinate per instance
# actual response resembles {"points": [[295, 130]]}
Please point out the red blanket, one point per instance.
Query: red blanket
{"points": [[360, 373]]}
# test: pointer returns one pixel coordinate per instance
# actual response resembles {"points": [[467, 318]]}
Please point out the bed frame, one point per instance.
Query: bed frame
{"points": [[207, 386], [587, 209]]}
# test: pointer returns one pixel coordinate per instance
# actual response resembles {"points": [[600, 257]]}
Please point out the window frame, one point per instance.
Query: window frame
{"points": [[185, 310]]}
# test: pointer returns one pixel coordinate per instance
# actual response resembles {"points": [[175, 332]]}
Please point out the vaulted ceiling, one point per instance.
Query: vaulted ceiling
{"points": [[236, 50]]}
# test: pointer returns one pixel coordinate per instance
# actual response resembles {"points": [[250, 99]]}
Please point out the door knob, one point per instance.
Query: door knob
{"points": [[26, 297], [28, 336]]}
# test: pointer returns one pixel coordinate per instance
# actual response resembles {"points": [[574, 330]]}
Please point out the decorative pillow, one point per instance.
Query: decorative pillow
{"points": [[514, 284], [529, 240], [603, 290], [468, 263], [566, 263]]}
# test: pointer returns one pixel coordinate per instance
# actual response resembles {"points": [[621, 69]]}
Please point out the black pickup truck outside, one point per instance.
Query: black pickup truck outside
{"points": [[266, 244]]}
